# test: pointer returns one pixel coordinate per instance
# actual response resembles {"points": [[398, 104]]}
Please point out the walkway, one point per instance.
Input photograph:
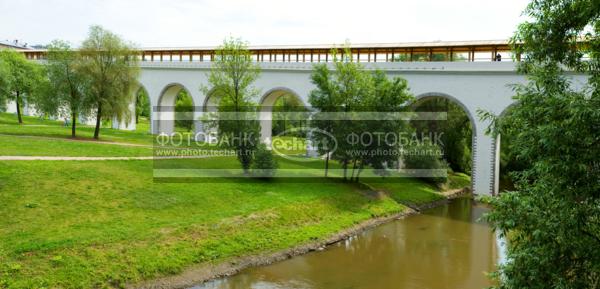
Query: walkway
{"points": [[77, 140], [62, 158]]}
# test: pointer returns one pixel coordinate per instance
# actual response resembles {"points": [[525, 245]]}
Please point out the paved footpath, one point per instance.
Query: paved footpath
{"points": [[78, 140], [59, 158]]}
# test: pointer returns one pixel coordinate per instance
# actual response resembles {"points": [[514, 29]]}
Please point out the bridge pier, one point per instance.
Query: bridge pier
{"points": [[485, 154]]}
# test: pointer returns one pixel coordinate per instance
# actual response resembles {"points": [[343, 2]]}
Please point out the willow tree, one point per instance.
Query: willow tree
{"points": [[67, 83], [20, 79], [231, 79], [553, 217], [3, 83], [111, 64], [142, 105]]}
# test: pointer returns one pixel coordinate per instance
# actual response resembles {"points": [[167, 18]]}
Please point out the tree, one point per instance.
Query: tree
{"points": [[323, 99], [4, 77], [264, 164], [142, 105], [231, 77], [67, 83], [21, 79], [184, 111], [388, 96], [284, 106], [112, 67], [455, 132], [343, 91], [428, 156], [350, 90], [552, 219]]}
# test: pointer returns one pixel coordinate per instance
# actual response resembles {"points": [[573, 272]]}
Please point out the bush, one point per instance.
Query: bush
{"points": [[184, 111], [426, 156], [264, 164]]}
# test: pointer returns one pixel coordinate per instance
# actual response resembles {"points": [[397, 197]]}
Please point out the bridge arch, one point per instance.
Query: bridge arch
{"points": [[430, 95], [472, 120], [211, 101], [498, 151], [266, 103], [140, 93], [165, 108]]}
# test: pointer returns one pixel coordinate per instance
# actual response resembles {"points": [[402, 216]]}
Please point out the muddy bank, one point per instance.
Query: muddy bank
{"points": [[204, 272], [451, 194]]}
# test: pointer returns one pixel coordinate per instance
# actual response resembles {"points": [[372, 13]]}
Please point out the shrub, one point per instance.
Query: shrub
{"points": [[426, 156], [264, 164]]}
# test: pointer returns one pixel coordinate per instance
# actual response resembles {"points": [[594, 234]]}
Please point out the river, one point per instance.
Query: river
{"points": [[444, 247]]}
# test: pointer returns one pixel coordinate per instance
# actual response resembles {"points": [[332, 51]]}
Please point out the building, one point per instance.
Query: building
{"points": [[13, 45]]}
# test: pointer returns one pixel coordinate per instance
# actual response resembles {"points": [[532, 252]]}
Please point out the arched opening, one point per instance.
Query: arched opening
{"points": [[283, 117], [207, 117], [184, 112], [455, 135], [211, 102], [143, 110], [506, 160], [175, 110], [288, 111]]}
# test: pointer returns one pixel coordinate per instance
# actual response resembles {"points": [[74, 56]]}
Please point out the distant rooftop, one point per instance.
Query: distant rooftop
{"points": [[352, 45], [432, 44], [15, 44]]}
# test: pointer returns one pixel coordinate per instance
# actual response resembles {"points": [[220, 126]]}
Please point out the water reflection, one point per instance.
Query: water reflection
{"points": [[443, 248]]}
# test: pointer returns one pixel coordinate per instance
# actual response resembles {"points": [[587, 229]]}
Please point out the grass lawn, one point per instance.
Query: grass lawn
{"points": [[39, 146], [105, 224], [34, 126]]}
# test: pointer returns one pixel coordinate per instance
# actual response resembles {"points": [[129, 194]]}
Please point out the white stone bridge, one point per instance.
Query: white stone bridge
{"points": [[468, 74]]}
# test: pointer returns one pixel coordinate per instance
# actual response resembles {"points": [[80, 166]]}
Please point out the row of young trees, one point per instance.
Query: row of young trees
{"points": [[346, 90], [98, 78], [95, 80]]}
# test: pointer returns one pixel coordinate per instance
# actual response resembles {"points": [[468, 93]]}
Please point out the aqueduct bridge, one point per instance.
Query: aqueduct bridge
{"points": [[467, 73]]}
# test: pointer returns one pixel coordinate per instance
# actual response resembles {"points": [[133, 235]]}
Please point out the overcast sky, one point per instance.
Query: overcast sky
{"points": [[207, 22]]}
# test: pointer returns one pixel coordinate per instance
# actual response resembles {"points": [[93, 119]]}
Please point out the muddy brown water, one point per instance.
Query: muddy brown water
{"points": [[444, 247]]}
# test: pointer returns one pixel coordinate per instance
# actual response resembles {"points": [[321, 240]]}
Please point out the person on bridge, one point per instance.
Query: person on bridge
{"points": [[498, 57]]}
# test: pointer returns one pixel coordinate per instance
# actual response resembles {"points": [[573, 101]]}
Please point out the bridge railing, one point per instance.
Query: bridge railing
{"points": [[468, 51]]}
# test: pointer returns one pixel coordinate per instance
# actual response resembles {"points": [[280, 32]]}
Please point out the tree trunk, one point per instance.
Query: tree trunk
{"points": [[360, 169], [17, 102], [73, 121], [326, 164], [284, 131], [345, 166], [98, 117], [353, 170]]}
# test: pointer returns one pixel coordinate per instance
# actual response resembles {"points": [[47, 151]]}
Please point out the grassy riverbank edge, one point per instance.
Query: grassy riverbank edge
{"points": [[202, 273]]}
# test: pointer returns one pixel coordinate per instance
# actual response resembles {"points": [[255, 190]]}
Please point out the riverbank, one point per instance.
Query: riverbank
{"points": [[108, 224], [206, 272]]}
